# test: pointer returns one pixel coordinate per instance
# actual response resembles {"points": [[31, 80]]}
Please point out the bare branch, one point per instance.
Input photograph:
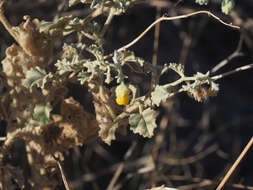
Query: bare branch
{"points": [[242, 68], [236, 163], [235, 54], [165, 18]]}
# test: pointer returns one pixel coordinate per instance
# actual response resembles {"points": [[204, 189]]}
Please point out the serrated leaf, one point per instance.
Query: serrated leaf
{"points": [[200, 76], [143, 123], [36, 77], [69, 64], [58, 24], [214, 89], [129, 56], [96, 50], [92, 70], [202, 2], [160, 94], [41, 113], [227, 6], [73, 59], [84, 77], [179, 68]]}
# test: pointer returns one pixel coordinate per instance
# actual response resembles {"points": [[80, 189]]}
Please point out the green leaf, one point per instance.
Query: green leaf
{"points": [[178, 68], [68, 64], [202, 2], [214, 89], [84, 77], [73, 60], [36, 77], [160, 94], [227, 6], [143, 123], [96, 50], [41, 113], [58, 24], [202, 77]]}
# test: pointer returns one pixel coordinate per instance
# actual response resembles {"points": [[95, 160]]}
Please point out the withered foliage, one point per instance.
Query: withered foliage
{"points": [[40, 114]]}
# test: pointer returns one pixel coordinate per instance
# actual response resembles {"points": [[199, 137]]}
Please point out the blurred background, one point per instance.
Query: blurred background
{"points": [[195, 143]]}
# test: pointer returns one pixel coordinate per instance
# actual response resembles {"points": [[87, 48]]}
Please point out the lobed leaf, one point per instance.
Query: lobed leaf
{"points": [[60, 24], [143, 123], [178, 68], [160, 94], [202, 2], [36, 77], [41, 113], [227, 6]]}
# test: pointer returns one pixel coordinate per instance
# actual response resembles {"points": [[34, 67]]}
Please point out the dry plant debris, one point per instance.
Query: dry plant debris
{"points": [[38, 110]]}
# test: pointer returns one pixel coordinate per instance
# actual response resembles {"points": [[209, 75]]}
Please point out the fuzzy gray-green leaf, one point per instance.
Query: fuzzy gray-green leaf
{"points": [[214, 89], [60, 24], [179, 68], [202, 2], [144, 123], [36, 77], [227, 6], [160, 94], [41, 113]]}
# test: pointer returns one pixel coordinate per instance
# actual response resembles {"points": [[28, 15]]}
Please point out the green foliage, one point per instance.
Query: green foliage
{"points": [[202, 2], [118, 6], [227, 6], [42, 113], [33, 93], [143, 123], [160, 94], [36, 77]]}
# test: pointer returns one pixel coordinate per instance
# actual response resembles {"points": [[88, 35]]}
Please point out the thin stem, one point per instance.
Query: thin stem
{"points": [[242, 68], [177, 82], [66, 185], [107, 22], [3, 138], [235, 54], [165, 18], [156, 37], [154, 77], [6, 24], [236, 163]]}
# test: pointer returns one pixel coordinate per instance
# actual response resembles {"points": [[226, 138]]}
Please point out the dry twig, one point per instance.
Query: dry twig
{"points": [[165, 18], [236, 163]]}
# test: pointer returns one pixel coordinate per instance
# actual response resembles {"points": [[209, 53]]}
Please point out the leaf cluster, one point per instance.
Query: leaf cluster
{"points": [[226, 5]]}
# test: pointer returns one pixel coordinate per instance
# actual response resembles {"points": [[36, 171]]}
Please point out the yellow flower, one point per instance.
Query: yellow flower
{"points": [[122, 94]]}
